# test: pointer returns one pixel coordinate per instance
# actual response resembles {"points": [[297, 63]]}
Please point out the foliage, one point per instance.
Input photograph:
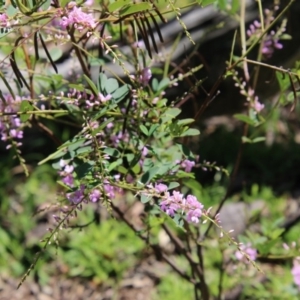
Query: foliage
{"points": [[125, 143]]}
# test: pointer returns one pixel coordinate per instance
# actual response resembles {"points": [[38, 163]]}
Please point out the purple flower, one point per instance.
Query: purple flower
{"points": [[68, 180], [109, 190], [77, 196], [10, 125], [95, 195], [189, 206], [270, 45], [171, 204], [296, 272], [246, 249], [187, 165], [145, 76], [193, 208]]}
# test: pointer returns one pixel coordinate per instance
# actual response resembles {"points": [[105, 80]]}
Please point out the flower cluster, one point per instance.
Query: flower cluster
{"points": [[246, 252], [175, 202], [4, 21], [75, 16], [271, 40], [249, 94], [81, 194], [187, 165], [10, 124]]}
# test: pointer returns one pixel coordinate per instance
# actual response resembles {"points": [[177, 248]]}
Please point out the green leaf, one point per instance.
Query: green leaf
{"points": [[102, 82], [113, 7], [79, 87], [56, 53], [222, 4], [115, 164], [45, 6], [283, 81], [11, 10], [191, 132], [25, 106], [121, 93], [170, 114], [83, 169], [206, 2], [112, 152], [259, 139], [185, 121], [86, 149], [111, 85], [91, 84], [246, 140], [154, 84], [153, 128], [185, 150], [235, 5], [163, 84], [150, 174], [144, 130], [145, 198], [72, 146], [173, 185], [136, 8], [245, 119], [96, 62]]}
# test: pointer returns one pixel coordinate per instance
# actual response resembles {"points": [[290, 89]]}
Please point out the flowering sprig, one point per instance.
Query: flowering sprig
{"points": [[271, 41], [175, 203], [74, 16], [246, 253], [11, 127]]}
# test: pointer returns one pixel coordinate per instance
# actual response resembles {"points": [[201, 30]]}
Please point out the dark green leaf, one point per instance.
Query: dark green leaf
{"points": [[151, 173]]}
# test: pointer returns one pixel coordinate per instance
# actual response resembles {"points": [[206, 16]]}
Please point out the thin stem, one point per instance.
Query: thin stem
{"points": [[243, 38], [156, 248]]}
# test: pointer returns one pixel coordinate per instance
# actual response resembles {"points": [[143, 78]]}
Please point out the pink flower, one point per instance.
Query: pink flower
{"points": [[257, 105], [187, 165], [95, 195], [77, 196], [68, 180], [10, 125], [145, 76], [296, 272], [4, 20], [246, 249], [160, 188], [75, 16], [193, 208], [103, 98], [189, 206]]}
